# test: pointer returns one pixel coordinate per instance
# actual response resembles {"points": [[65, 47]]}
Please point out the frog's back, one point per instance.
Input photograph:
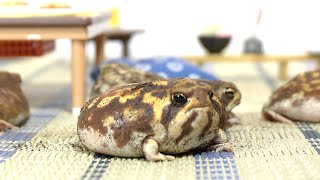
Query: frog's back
{"points": [[121, 114], [298, 99], [117, 74]]}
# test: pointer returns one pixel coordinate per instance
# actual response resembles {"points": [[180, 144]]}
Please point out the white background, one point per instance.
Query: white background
{"points": [[172, 26]]}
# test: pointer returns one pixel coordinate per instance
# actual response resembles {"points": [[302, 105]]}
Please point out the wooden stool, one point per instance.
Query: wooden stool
{"points": [[123, 35]]}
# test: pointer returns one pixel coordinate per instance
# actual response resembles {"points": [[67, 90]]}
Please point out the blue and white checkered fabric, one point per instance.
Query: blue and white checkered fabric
{"points": [[167, 67]]}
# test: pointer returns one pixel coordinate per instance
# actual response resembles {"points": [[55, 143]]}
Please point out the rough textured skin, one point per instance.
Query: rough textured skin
{"points": [[219, 87], [296, 100], [14, 108], [115, 74], [144, 120], [230, 102]]}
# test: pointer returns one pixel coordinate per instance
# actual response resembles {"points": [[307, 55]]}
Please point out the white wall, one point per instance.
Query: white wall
{"points": [[171, 26]]}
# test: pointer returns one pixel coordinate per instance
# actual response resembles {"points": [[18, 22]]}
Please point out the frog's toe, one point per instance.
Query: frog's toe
{"points": [[169, 158], [4, 125], [234, 121], [151, 151], [220, 147], [274, 116], [160, 157]]}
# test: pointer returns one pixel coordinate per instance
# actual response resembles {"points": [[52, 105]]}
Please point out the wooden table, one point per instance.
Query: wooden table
{"points": [[283, 60], [77, 28], [124, 36]]}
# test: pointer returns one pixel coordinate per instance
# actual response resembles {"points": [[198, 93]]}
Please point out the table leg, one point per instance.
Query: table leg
{"points": [[78, 75], [125, 46], [100, 54], [283, 70]]}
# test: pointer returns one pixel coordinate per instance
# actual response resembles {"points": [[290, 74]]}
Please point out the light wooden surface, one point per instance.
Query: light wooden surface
{"points": [[19, 33], [78, 35], [78, 72], [283, 60], [100, 54], [248, 57]]}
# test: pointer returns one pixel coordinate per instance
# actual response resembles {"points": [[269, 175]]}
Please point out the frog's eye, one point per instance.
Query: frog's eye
{"points": [[179, 99], [211, 95], [229, 92]]}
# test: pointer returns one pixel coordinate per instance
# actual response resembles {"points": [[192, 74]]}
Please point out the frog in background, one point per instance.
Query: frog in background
{"points": [[14, 107]]}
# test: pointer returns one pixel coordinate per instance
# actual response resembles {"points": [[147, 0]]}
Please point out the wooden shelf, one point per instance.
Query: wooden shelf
{"points": [[283, 60], [249, 57]]}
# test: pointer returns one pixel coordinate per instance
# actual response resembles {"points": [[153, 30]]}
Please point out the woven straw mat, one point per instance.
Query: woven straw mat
{"points": [[48, 147]]}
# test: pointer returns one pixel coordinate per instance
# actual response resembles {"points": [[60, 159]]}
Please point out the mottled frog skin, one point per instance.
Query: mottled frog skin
{"points": [[14, 108], [153, 119], [116, 74], [296, 100], [230, 96]]}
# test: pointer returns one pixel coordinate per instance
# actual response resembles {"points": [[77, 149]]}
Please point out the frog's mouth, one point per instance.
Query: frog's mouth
{"points": [[233, 104], [196, 122], [198, 113], [200, 108]]}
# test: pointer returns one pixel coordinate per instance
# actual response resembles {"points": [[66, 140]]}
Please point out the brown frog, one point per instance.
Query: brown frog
{"points": [[153, 119], [116, 74], [14, 108], [229, 95], [296, 100]]}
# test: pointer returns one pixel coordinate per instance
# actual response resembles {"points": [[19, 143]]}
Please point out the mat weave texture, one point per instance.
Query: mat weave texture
{"points": [[262, 150], [48, 147]]}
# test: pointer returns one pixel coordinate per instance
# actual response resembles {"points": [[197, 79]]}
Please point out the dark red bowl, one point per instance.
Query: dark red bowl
{"points": [[213, 43]]}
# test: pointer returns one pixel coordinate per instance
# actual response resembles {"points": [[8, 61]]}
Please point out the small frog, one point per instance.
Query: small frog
{"points": [[153, 119], [14, 108], [230, 96], [116, 74], [296, 100]]}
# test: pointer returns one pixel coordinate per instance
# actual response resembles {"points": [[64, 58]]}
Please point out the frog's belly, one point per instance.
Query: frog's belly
{"points": [[308, 110], [106, 144]]}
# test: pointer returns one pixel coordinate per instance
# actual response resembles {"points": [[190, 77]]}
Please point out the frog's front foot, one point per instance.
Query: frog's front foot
{"points": [[221, 143], [233, 121], [220, 147], [274, 116], [151, 151], [160, 157], [4, 125]]}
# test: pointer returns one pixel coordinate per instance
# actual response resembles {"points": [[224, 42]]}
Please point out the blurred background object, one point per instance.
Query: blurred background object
{"points": [[169, 24], [213, 40], [114, 21], [21, 48], [254, 45], [214, 43], [12, 3]]}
